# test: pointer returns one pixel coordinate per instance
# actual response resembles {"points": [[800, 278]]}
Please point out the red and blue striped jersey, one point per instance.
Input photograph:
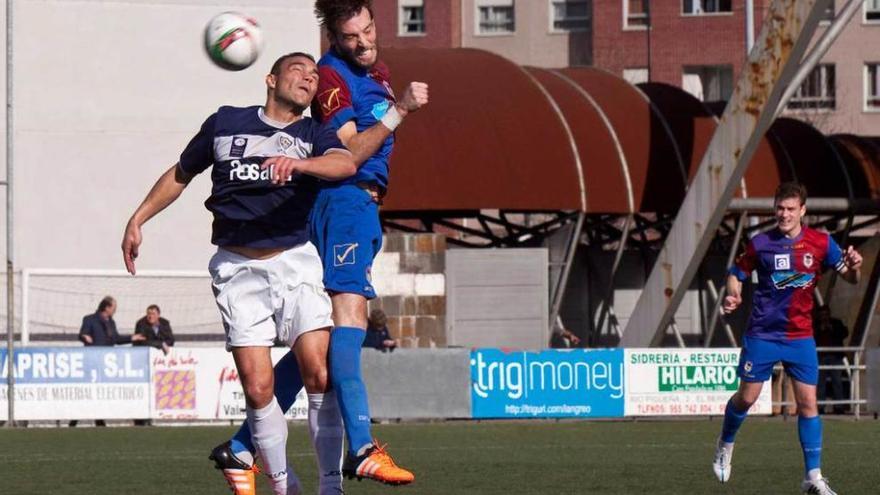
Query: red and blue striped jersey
{"points": [[350, 93], [788, 270]]}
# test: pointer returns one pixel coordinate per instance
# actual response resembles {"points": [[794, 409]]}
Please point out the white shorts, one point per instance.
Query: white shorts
{"points": [[280, 298]]}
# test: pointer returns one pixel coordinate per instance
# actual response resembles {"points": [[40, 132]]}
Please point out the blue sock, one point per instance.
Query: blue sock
{"points": [[810, 434], [345, 377], [288, 382], [733, 419]]}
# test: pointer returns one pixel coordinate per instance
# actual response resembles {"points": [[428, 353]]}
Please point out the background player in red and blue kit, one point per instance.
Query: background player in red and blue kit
{"points": [[789, 260], [355, 98]]}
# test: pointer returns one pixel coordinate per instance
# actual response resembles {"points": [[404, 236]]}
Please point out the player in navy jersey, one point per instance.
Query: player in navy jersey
{"points": [[267, 276], [354, 97], [789, 260]]}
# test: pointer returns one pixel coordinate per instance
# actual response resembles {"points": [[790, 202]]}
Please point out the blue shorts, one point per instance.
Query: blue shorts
{"points": [[798, 356], [346, 230]]}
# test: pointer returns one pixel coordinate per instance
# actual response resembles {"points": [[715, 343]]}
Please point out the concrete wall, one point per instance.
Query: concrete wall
{"points": [[497, 298], [418, 383], [107, 94], [533, 43]]}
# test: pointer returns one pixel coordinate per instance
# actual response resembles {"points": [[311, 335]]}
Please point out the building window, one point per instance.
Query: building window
{"points": [[828, 16], [570, 15], [817, 90], [872, 11], [496, 17], [636, 75], [702, 7], [872, 86], [635, 14], [708, 82], [412, 17]]}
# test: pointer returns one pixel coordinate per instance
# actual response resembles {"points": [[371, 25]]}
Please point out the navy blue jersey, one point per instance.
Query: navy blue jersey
{"points": [[350, 93], [248, 210]]}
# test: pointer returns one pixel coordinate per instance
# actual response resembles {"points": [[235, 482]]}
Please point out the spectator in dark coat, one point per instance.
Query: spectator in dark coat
{"points": [[377, 332], [99, 329], [156, 331]]}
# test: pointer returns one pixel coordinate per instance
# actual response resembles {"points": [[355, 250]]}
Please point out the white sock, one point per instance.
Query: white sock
{"points": [[269, 433], [325, 427], [814, 474]]}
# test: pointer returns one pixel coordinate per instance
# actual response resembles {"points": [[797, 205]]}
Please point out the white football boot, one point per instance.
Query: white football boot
{"points": [[721, 463], [817, 487]]}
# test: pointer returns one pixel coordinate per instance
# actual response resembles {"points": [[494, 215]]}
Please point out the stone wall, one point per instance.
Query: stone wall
{"points": [[409, 276]]}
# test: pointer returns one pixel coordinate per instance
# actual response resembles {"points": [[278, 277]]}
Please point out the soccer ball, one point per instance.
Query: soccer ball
{"points": [[233, 41]]}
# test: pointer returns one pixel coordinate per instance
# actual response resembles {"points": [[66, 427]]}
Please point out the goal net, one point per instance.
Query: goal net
{"points": [[53, 302]]}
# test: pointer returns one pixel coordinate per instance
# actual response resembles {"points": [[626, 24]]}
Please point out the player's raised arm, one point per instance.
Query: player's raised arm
{"points": [[365, 144], [335, 165], [164, 192], [852, 265], [333, 105]]}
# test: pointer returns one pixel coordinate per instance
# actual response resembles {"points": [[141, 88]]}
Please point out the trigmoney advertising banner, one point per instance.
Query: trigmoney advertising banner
{"points": [[680, 382], [547, 384], [62, 383]]}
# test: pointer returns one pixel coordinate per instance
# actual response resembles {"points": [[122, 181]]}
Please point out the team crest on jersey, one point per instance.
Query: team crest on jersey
{"points": [[284, 142], [329, 100], [239, 144], [782, 262], [808, 260]]}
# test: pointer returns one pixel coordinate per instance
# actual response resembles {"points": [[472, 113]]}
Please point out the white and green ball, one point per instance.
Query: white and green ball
{"points": [[233, 40]]}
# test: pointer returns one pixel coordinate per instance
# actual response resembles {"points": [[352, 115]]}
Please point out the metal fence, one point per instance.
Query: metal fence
{"points": [[853, 371]]}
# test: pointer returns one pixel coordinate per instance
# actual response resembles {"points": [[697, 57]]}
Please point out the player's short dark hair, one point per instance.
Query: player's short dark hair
{"points": [[154, 306], [276, 67], [791, 190], [106, 303], [331, 12]]}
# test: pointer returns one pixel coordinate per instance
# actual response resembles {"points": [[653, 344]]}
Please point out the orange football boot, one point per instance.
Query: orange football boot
{"points": [[375, 464], [239, 475]]}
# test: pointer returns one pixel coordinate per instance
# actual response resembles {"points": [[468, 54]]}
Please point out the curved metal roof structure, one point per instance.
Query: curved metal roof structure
{"points": [[500, 136]]}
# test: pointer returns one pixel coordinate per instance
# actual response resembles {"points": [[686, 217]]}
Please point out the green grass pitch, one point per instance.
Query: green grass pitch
{"points": [[541, 457]]}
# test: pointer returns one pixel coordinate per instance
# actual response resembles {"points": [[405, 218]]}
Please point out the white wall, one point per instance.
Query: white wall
{"points": [[107, 94]]}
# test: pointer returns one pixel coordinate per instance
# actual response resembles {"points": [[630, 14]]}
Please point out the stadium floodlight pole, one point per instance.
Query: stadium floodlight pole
{"points": [[785, 35], [10, 274]]}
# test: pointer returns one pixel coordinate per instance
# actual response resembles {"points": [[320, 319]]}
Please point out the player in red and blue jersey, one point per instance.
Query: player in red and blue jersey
{"points": [[788, 260], [355, 98]]}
